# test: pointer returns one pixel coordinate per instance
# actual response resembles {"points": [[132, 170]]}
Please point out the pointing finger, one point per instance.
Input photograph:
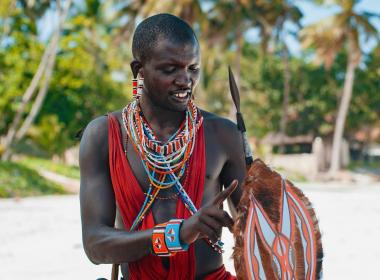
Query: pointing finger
{"points": [[225, 193]]}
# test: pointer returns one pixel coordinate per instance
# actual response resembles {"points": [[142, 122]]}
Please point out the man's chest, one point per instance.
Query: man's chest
{"points": [[164, 206], [214, 161]]}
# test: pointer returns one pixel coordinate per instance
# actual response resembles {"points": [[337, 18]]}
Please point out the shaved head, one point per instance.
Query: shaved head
{"points": [[158, 27]]}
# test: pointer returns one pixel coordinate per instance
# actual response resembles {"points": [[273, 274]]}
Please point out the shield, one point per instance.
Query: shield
{"points": [[276, 231]]}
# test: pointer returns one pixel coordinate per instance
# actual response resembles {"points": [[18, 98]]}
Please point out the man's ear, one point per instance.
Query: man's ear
{"points": [[135, 66]]}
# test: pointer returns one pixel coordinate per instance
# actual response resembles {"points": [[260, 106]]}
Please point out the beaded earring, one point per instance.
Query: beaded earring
{"points": [[134, 87], [137, 87]]}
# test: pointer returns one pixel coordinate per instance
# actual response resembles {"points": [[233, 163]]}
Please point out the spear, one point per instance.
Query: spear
{"points": [[239, 117]]}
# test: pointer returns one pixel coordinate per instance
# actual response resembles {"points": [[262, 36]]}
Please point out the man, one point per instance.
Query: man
{"points": [[157, 160]]}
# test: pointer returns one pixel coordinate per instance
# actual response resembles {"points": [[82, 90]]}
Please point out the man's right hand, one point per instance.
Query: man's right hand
{"points": [[209, 220]]}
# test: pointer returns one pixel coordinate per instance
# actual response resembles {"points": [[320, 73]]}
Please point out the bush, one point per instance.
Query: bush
{"points": [[17, 180], [36, 163]]}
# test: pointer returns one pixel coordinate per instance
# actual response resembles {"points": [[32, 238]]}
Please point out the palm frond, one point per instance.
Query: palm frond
{"points": [[367, 28], [326, 37], [370, 14]]}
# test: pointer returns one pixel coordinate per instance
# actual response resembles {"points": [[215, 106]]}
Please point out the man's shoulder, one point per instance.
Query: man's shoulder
{"points": [[222, 131], [101, 122], [97, 128], [218, 123]]}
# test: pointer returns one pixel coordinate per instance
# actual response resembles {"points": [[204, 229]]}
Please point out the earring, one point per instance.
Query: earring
{"points": [[140, 86], [137, 87], [134, 88]]}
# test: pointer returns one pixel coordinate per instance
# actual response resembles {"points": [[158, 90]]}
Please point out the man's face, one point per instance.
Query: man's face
{"points": [[171, 74]]}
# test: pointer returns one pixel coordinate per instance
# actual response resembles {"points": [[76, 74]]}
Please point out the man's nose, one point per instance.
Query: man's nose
{"points": [[183, 80]]}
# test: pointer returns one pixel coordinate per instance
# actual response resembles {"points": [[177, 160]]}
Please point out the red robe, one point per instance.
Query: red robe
{"points": [[130, 197]]}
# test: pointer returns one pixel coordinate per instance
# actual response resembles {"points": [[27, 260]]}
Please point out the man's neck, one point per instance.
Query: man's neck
{"points": [[164, 122]]}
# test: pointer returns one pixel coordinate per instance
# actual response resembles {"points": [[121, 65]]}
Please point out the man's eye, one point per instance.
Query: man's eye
{"points": [[194, 69], [168, 70]]}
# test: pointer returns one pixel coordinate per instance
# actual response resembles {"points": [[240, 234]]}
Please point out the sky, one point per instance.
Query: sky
{"points": [[312, 13]]}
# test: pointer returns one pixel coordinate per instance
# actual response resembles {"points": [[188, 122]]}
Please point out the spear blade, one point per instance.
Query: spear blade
{"points": [[239, 117], [234, 89]]}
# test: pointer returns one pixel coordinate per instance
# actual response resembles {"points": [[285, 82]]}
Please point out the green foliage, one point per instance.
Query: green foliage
{"points": [[6, 8], [17, 180], [92, 75], [373, 167], [50, 134], [82, 86], [19, 59], [312, 95], [365, 107], [46, 164]]}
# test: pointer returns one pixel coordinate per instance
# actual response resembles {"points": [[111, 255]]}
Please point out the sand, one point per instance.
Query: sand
{"points": [[41, 236]]}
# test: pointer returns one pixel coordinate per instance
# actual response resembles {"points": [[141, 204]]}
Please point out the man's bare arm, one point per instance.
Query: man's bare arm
{"points": [[234, 167], [102, 242]]}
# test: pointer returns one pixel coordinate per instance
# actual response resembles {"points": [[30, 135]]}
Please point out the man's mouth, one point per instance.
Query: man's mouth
{"points": [[182, 95]]}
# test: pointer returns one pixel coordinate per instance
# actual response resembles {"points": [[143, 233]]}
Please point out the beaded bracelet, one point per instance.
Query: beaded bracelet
{"points": [[165, 239], [158, 241], [172, 238]]}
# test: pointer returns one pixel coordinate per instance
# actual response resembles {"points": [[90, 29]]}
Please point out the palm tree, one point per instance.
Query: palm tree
{"points": [[189, 10], [45, 70], [273, 19], [330, 36], [228, 22]]}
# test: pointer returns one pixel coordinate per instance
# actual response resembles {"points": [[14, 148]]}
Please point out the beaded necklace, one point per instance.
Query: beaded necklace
{"points": [[164, 163]]}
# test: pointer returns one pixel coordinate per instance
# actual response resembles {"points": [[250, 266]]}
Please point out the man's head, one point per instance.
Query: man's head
{"points": [[155, 28], [166, 55]]}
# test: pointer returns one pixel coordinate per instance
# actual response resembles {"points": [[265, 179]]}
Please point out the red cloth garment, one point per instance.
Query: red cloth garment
{"points": [[130, 197], [220, 274]]}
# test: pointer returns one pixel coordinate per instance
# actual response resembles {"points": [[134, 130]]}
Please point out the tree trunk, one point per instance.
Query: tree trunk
{"points": [[285, 101], [47, 65], [341, 118], [39, 99], [26, 98], [49, 71]]}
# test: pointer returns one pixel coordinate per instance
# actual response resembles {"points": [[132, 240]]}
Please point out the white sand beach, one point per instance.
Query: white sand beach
{"points": [[41, 236]]}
